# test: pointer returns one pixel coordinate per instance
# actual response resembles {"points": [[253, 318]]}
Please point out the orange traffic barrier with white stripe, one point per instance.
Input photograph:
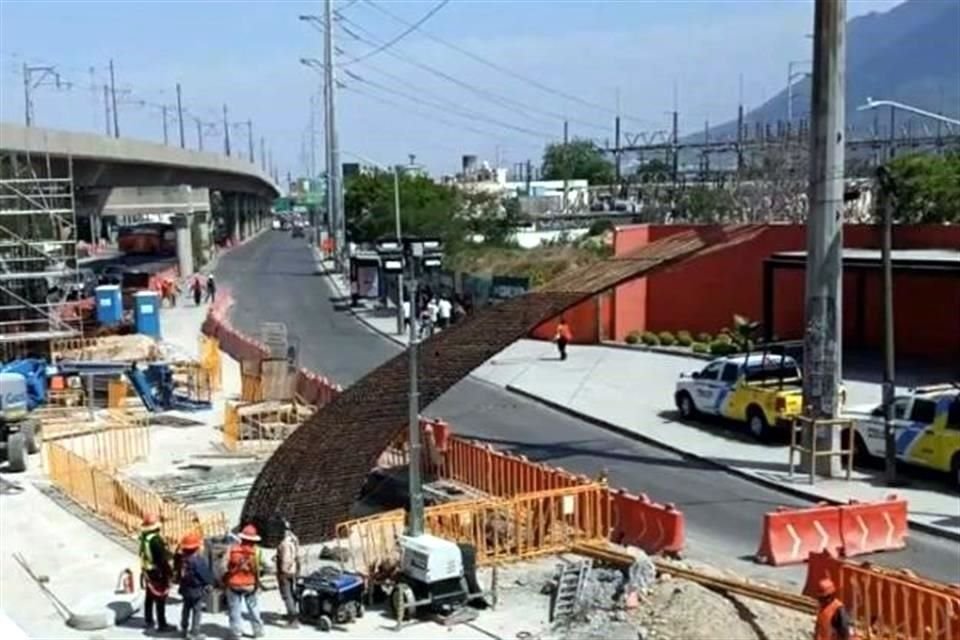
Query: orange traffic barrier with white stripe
{"points": [[790, 535], [654, 527], [887, 603], [867, 527]]}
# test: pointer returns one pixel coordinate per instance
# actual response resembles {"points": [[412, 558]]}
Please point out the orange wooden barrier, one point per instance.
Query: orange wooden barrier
{"points": [[887, 604]]}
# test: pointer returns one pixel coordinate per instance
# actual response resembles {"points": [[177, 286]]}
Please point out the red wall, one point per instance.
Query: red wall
{"points": [[702, 294]]}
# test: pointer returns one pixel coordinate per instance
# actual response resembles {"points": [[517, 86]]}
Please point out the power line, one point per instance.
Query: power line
{"points": [[502, 69], [413, 27], [504, 102]]}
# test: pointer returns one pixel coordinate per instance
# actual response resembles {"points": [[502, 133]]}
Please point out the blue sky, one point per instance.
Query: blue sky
{"points": [[246, 54]]}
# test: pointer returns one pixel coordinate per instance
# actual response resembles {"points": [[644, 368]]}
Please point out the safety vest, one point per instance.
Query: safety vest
{"points": [[146, 552], [824, 629], [243, 566], [563, 331]]}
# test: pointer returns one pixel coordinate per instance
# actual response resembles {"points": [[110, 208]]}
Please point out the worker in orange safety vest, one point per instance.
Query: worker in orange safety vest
{"points": [[563, 337], [156, 573], [833, 621], [242, 581]]}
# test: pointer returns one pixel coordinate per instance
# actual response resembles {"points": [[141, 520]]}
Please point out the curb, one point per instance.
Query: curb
{"points": [[356, 314], [770, 484], [667, 351]]}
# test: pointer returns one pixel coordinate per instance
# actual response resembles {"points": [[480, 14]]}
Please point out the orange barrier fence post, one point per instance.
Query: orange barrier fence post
{"points": [[790, 535]]}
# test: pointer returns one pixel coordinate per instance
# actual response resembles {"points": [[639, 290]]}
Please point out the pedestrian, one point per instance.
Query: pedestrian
{"points": [[563, 337], [197, 291], [165, 291], [155, 574], [833, 621], [211, 288], [196, 579], [444, 311], [242, 582], [288, 568]]}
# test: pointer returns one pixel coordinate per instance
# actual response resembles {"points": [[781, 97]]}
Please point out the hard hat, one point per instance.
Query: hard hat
{"points": [[826, 588], [249, 533], [150, 522], [191, 542]]}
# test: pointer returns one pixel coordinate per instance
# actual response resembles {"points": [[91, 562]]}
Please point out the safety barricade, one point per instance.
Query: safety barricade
{"points": [[654, 527], [889, 604], [867, 527], [790, 535]]}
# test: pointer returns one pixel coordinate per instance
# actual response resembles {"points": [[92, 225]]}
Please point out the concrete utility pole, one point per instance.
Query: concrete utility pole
{"points": [[226, 132], [566, 163], [113, 101], [199, 134], [885, 200], [183, 142], [616, 144], [822, 349], [106, 108], [335, 169], [674, 141], [250, 141], [163, 112], [396, 210], [415, 481]]}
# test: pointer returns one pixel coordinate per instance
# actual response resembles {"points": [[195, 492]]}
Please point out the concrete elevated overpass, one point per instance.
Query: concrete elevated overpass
{"points": [[99, 164]]}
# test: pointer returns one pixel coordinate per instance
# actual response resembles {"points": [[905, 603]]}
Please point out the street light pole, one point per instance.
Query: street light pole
{"points": [[416, 486], [889, 435]]}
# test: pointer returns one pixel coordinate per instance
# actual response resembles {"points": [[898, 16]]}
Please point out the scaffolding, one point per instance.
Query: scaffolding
{"points": [[39, 269]]}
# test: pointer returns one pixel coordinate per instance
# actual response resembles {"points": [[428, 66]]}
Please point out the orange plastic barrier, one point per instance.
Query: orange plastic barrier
{"points": [[790, 535], [654, 527], [887, 604], [866, 527]]}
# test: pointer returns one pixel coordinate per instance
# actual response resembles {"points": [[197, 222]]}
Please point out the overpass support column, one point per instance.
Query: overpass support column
{"points": [[181, 224]]}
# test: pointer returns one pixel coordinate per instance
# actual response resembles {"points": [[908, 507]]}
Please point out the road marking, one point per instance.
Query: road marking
{"points": [[796, 541]]}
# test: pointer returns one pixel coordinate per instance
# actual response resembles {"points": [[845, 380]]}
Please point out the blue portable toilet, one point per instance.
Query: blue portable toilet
{"points": [[146, 313], [109, 304]]}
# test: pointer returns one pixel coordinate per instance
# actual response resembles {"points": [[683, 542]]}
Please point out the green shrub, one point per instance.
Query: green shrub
{"points": [[700, 347], [667, 339], [684, 339], [650, 339], [705, 338], [724, 338], [633, 337], [722, 348]]}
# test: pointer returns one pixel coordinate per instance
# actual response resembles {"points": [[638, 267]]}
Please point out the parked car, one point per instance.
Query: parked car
{"points": [[926, 423]]}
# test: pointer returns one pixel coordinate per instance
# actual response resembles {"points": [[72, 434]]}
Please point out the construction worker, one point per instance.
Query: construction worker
{"points": [[242, 581], [562, 337], [833, 621], [155, 575], [288, 568], [211, 289], [195, 580]]}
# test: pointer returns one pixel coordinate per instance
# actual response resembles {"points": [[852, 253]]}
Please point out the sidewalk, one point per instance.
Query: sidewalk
{"points": [[631, 392]]}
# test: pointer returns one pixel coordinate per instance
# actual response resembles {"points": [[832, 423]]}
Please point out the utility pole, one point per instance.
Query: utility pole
{"points": [[823, 336], [529, 174], [250, 141], [106, 108], [334, 169], [226, 132], [396, 210], [886, 197], [616, 145], [413, 425], [566, 163], [113, 101], [313, 135], [163, 110], [26, 94], [199, 134], [674, 141], [183, 142]]}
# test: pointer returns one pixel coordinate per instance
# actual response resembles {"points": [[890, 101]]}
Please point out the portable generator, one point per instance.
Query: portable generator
{"points": [[432, 577], [330, 596]]}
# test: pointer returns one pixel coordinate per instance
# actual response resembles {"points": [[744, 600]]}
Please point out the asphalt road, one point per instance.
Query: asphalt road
{"points": [[272, 279]]}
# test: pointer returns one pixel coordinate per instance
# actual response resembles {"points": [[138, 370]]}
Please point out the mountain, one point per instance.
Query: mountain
{"points": [[910, 54]]}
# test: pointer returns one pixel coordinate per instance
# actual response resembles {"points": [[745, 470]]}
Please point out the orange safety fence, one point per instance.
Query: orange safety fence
{"points": [[114, 439], [500, 529], [119, 501], [887, 604], [255, 427]]}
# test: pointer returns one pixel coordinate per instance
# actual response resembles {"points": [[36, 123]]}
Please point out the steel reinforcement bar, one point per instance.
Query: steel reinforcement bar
{"points": [[317, 474]]}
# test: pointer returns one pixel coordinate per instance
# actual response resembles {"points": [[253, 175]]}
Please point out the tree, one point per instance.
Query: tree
{"points": [[927, 188], [579, 159]]}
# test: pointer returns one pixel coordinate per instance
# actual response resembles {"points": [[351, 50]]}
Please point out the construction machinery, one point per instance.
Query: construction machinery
{"points": [[22, 389]]}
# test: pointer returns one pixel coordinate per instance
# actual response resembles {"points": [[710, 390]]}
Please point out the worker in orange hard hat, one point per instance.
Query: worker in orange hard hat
{"points": [[244, 564], [156, 572], [833, 621], [195, 580]]}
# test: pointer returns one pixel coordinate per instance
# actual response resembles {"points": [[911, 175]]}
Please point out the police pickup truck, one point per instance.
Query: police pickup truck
{"points": [[926, 423], [762, 390]]}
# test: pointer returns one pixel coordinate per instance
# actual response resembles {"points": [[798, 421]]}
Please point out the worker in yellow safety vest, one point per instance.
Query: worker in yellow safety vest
{"points": [[156, 573]]}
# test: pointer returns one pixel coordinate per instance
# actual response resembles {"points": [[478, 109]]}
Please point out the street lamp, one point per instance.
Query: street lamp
{"points": [[412, 256], [791, 76]]}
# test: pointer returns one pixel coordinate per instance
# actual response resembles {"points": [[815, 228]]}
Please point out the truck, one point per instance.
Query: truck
{"points": [[22, 388], [762, 390], [926, 423]]}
